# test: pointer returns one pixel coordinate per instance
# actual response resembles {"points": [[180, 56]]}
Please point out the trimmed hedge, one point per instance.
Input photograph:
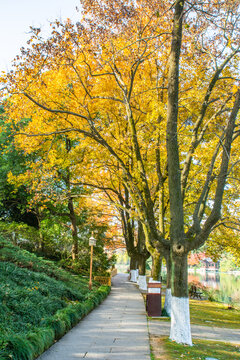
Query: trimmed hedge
{"points": [[32, 344]]}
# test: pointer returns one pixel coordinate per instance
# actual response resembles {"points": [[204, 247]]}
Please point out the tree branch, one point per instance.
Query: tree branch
{"points": [[221, 181], [55, 111]]}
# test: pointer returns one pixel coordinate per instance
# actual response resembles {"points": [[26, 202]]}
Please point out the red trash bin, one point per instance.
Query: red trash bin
{"points": [[153, 303]]}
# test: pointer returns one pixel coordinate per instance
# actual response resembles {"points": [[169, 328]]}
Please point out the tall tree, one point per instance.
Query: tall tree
{"points": [[48, 179], [152, 90], [113, 192], [13, 202]]}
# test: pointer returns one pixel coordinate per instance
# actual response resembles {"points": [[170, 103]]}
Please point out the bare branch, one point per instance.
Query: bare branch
{"points": [[95, 186], [221, 181], [55, 111], [196, 140]]}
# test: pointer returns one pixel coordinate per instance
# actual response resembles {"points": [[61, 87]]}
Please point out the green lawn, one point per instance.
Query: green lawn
{"points": [[204, 312], [202, 349], [164, 349]]}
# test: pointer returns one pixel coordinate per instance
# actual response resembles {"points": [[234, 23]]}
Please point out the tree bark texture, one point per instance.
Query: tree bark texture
{"points": [[141, 264], [174, 174], [179, 274], [133, 262], [180, 319], [156, 266], [168, 293]]}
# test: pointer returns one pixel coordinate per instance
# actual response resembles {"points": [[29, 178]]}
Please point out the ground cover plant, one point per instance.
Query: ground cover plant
{"points": [[25, 259], [40, 302]]}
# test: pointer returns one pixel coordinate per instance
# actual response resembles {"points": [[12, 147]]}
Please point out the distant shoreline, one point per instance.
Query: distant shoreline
{"points": [[203, 270]]}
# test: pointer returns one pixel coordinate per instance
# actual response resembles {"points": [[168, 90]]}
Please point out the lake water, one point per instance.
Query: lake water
{"points": [[228, 285]]}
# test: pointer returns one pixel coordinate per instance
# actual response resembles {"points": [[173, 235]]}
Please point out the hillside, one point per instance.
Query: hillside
{"points": [[40, 302]]}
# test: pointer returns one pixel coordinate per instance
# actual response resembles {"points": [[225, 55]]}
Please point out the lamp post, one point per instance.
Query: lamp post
{"points": [[92, 243]]}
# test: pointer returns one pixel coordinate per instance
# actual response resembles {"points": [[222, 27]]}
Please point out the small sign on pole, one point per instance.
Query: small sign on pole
{"points": [[92, 242]]}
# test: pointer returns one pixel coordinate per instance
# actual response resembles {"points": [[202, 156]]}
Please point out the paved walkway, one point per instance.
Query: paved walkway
{"points": [[116, 330], [162, 328]]}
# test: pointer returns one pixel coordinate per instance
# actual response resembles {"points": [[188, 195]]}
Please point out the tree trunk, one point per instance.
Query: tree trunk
{"points": [[142, 282], [72, 215], [73, 220], [133, 268], [141, 264], [180, 317], [41, 237], [133, 262], [156, 266], [14, 237], [41, 241], [168, 293]]}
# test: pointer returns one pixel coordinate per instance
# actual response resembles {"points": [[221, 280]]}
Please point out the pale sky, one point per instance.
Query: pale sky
{"points": [[18, 15]]}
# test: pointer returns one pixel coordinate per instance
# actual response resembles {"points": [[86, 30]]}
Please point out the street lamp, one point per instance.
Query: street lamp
{"points": [[92, 243]]}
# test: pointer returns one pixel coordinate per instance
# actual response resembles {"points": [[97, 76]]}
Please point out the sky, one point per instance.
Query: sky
{"points": [[18, 15]]}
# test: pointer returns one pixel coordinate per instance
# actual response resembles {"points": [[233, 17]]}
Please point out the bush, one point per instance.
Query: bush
{"points": [[32, 344], [19, 348], [164, 313]]}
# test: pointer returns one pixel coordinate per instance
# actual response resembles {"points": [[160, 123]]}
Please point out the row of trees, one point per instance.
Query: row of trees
{"points": [[40, 211], [140, 100]]}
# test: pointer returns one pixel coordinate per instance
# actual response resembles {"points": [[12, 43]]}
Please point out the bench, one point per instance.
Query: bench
{"points": [[195, 293]]}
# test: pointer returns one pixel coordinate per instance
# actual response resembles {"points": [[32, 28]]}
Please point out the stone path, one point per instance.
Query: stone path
{"points": [[116, 330]]}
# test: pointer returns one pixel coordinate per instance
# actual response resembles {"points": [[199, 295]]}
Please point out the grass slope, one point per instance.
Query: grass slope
{"points": [[40, 302]]}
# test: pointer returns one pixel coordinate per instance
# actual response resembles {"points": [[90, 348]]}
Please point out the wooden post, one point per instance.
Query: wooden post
{"points": [[91, 261]]}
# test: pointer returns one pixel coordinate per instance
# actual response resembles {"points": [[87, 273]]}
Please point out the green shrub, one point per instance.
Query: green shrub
{"points": [[19, 348], [39, 303], [37, 343], [58, 325], [23, 258], [47, 336], [164, 313]]}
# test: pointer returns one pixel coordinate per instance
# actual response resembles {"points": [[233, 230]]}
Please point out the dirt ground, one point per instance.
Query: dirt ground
{"points": [[157, 347]]}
